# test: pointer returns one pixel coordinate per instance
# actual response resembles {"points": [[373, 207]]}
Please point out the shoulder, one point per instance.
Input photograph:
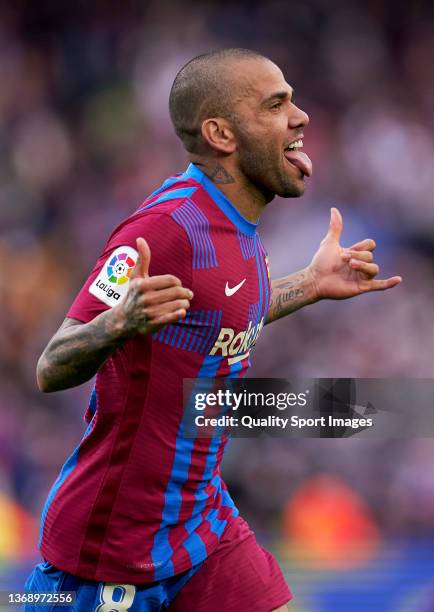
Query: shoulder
{"points": [[185, 204], [147, 224], [182, 213]]}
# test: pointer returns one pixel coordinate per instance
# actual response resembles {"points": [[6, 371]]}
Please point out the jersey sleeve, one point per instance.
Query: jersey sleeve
{"points": [[109, 280]]}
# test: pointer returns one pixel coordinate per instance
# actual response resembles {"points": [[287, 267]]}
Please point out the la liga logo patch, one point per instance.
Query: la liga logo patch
{"points": [[111, 284], [120, 268]]}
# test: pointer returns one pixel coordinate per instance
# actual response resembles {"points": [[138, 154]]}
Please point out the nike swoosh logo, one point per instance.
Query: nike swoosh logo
{"points": [[231, 290]]}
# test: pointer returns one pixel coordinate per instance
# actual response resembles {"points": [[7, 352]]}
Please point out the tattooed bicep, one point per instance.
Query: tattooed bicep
{"points": [[68, 322]]}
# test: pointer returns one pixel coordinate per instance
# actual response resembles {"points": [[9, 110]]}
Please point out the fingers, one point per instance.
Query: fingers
{"points": [[158, 295], [147, 299], [171, 317], [370, 269], [336, 225], [152, 302], [364, 245], [155, 283], [154, 313], [361, 255], [141, 269], [382, 284], [161, 296]]}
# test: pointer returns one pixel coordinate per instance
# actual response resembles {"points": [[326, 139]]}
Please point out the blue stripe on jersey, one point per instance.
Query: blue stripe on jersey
{"points": [[254, 313], [261, 290], [167, 183], [164, 335], [227, 502], [215, 481], [195, 317], [174, 194], [193, 333], [213, 333], [197, 331], [208, 325], [221, 200], [201, 496], [169, 331], [217, 525], [215, 327], [197, 227], [235, 368], [92, 404], [66, 470], [162, 551], [247, 245], [202, 329], [195, 546], [181, 335], [264, 276]]}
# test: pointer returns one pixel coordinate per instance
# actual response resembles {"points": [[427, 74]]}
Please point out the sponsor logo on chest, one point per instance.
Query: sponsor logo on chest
{"points": [[236, 346]]}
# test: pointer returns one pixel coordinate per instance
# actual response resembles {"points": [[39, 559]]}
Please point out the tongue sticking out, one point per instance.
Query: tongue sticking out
{"points": [[300, 160]]}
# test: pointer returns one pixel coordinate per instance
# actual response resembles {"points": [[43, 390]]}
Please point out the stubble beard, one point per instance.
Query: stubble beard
{"points": [[263, 166]]}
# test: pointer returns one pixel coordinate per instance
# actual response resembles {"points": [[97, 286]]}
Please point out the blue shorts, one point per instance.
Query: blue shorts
{"points": [[104, 596]]}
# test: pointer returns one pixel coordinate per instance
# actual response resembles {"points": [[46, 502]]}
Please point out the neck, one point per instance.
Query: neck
{"points": [[245, 196]]}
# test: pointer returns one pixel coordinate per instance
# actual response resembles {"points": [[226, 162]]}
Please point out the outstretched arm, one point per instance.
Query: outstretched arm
{"points": [[77, 350], [290, 293], [335, 273]]}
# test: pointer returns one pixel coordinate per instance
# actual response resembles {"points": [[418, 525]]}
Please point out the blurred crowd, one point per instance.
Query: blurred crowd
{"points": [[85, 135]]}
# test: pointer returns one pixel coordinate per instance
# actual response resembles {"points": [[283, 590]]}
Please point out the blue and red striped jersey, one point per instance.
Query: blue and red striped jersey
{"points": [[138, 501]]}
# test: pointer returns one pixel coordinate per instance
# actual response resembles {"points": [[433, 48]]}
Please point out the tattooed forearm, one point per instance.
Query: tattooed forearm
{"points": [[77, 350], [289, 281], [289, 294]]}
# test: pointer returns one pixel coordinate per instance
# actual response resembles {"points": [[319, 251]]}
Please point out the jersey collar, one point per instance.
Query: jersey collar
{"points": [[221, 200]]}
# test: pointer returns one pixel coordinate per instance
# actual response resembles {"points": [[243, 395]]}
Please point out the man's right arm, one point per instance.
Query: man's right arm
{"points": [[77, 350]]}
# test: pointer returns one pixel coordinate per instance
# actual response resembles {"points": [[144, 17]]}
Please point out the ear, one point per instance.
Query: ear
{"points": [[218, 134]]}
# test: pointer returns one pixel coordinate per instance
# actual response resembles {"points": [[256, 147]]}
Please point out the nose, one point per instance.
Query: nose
{"points": [[297, 117]]}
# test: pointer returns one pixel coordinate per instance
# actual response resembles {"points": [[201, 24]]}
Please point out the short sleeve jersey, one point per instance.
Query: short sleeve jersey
{"points": [[138, 501]]}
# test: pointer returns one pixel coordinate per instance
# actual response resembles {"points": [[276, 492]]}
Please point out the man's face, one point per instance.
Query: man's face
{"points": [[268, 127]]}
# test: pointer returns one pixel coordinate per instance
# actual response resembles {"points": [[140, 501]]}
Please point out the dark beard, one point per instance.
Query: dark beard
{"points": [[258, 165]]}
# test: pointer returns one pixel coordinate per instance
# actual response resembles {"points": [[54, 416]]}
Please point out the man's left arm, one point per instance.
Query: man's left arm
{"points": [[335, 273]]}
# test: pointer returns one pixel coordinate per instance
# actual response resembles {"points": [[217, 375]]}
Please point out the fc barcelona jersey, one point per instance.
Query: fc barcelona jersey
{"points": [[138, 501]]}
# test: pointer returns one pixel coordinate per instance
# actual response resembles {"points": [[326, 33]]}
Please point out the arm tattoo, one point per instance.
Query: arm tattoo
{"points": [[289, 294], [77, 351], [289, 281]]}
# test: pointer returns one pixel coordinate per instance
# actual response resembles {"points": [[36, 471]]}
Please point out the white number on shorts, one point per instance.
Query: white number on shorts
{"points": [[108, 604]]}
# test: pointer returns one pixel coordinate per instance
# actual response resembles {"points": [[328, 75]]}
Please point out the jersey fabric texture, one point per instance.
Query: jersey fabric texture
{"points": [[238, 575], [91, 596], [137, 501]]}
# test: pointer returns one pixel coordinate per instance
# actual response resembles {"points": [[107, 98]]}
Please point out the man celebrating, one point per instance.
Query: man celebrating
{"points": [[139, 517]]}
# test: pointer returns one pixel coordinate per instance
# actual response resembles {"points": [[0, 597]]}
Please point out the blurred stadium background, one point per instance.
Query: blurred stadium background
{"points": [[85, 135]]}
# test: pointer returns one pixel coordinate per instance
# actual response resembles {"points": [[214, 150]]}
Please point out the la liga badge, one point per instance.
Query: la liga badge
{"points": [[112, 282]]}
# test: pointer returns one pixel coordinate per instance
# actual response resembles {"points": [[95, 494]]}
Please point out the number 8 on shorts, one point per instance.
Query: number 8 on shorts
{"points": [[124, 600]]}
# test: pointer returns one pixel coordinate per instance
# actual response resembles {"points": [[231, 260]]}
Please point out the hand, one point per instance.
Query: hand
{"points": [[340, 273], [152, 301]]}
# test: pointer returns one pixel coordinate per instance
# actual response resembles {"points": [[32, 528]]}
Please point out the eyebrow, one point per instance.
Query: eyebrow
{"points": [[279, 95]]}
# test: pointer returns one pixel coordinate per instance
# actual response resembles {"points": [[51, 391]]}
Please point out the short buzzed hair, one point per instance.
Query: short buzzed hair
{"points": [[203, 88]]}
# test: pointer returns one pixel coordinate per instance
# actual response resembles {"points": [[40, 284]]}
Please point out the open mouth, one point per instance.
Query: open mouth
{"points": [[297, 158]]}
